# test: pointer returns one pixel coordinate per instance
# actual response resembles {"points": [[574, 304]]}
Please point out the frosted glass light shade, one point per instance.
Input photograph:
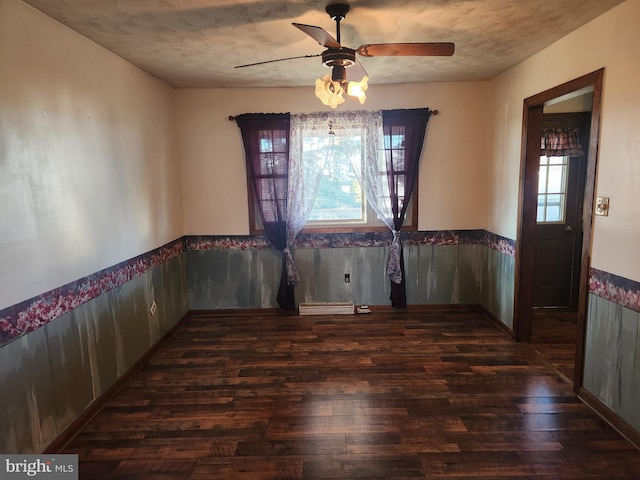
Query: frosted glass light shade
{"points": [[329, 92], [357, 89]]}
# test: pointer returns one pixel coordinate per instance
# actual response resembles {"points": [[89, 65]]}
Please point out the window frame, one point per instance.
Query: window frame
{"points": [[341, 226], [410, 225], [564, 164]]}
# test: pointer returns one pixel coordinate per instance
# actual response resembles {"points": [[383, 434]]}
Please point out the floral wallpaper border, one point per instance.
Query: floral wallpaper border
{"points": [[36, 312], [346, 240], [618, 290]]}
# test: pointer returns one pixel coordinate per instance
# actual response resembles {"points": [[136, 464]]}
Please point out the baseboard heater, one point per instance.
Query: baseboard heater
{"points": [[326, 308]]}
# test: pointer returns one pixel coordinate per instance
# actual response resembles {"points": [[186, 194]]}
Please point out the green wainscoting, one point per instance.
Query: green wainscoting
{"points": [[50, 376], [612, 358]]}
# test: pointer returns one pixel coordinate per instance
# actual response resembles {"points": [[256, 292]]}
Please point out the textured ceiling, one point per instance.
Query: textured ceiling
{"points": [[196, 43]]}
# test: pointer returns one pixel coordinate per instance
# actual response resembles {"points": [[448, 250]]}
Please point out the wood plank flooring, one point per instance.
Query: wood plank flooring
{"points": [[554, 335], [396, 395]]}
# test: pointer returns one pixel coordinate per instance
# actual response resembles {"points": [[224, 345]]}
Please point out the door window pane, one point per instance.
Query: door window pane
{"points": [[552, 189], [542, 179], [555, 208], [556, 181]]}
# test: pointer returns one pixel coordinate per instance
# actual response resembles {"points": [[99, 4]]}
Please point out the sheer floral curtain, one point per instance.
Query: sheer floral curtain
{"points": [[371, 169], [367, 126], [393, 140], [404, 132], [304, 178], [266, 144]]}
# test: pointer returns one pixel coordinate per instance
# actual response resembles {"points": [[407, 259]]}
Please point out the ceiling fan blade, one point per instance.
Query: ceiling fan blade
{"points": [[320, 35], [441, 49], [356, 71], [277, 60]]}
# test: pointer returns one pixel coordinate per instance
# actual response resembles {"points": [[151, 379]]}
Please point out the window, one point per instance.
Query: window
{"points": [[552, 189], [340, 204], [339, 196], [272, 178], [383, 150]]}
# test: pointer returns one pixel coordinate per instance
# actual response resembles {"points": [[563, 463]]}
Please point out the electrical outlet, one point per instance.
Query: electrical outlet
{"points": [[347, 278], [153, 307]]}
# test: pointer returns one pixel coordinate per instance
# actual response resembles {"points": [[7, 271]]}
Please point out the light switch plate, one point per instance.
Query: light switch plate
{"points": [[602, 206]]}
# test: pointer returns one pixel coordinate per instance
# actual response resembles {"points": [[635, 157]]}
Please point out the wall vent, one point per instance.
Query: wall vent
{"points": [[326, 308]]}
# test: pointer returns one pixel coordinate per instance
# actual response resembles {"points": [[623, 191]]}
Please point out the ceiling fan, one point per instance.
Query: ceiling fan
{"points": [[342, 59]]}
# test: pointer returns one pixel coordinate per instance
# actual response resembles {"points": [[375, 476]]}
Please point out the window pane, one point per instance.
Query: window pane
{"points": [[266, 188], [541, 210], [273, 164], [400, 186], [555, 200], [556, 179], [398, 161], [339, 196], [542, 179], [557, 160], [396, 139], [553, 214], [555, 208], [337, 200]]}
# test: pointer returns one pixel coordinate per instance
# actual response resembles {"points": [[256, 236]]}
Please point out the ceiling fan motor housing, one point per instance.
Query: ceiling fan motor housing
{"points": [[342, 57]]}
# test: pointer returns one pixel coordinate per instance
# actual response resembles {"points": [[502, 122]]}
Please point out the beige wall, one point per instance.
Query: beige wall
{"points": [[88, 154], [88, 159], [611, 41], [452, 176]]}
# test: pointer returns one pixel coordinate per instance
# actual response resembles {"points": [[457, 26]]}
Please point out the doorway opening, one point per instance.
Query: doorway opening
{"points": [[527, 276], [561, 185]]}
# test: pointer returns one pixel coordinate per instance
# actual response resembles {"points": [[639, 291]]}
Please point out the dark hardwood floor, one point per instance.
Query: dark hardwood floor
{"points": [[396, 395], [554, 334]]}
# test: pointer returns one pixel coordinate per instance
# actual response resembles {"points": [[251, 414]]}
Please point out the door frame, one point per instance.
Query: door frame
{"points": [[527, 211]]}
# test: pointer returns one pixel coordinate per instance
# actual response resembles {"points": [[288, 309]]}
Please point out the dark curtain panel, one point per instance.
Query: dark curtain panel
{"points": [[404, 132], [266, 146]]}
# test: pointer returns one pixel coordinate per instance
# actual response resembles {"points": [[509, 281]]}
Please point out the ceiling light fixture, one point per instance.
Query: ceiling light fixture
{"points": [[357, 89], [331, 88], [331, 91]]}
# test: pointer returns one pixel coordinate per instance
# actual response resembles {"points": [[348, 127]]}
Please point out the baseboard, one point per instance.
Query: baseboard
{"points": [[60, 443], [611, 417], [497, 321], [426, 307], [458, 307], [227, 312]]}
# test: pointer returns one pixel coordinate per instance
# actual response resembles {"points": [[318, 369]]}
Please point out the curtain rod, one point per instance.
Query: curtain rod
{"points": [[433, 112]]}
